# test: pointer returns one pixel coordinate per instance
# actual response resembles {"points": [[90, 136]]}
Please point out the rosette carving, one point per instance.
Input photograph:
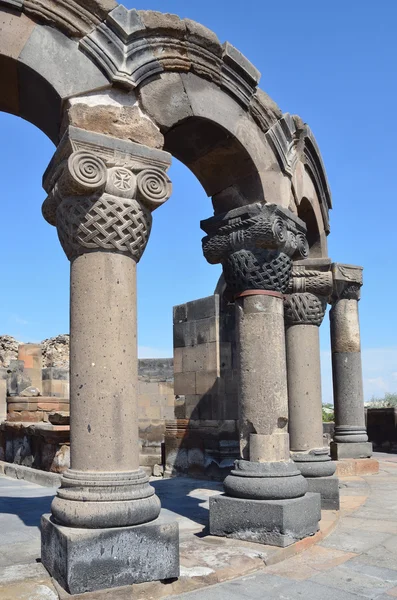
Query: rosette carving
{"points": [[304, 309], [154, 187]]}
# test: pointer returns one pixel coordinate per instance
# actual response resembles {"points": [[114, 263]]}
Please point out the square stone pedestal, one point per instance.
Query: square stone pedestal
{"points": [[274, 522], [328, 488], [84, 560], [341, 450]]}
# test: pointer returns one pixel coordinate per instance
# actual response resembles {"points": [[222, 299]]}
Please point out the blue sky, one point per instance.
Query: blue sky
{"points": [[332, 63]]}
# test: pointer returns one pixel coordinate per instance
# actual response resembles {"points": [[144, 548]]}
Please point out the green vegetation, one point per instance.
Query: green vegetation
{"points": [[328, 413], [388, 401]]}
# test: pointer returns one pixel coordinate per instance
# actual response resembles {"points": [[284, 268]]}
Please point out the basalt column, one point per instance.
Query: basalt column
{"points": [[265, 496], [350, 439], [104, 529], [310, 287]]}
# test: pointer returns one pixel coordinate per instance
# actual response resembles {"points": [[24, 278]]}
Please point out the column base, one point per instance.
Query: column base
{"points": [[341, 450], [328, 488], [273, 522], [85, 560]]}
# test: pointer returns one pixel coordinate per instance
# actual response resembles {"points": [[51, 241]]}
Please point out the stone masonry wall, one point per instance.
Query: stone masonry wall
{"points": [[201, 440]]}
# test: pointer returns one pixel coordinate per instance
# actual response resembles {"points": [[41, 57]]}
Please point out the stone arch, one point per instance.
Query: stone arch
{"points": [[173, 80]]}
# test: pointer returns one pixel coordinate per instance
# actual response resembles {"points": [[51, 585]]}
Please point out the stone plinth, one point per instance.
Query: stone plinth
{"points": [[84, 560], [273, 522]]}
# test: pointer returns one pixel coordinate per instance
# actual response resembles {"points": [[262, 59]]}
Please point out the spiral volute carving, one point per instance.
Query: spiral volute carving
{"points": [[154, 187], [86, 171]]}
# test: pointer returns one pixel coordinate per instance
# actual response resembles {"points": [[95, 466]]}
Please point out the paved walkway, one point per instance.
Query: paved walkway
{"points": [[358, 560]]}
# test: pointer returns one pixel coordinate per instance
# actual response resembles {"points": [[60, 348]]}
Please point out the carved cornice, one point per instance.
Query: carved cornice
{"points": [[315, 167], [255, 244], [282, 137], [347, 282], [131, 46], [291, 141], [70, 16], [101, 192]]}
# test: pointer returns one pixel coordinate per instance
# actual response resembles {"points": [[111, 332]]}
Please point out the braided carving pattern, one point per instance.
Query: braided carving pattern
{"points": [[305, 280], [106, 222], [257, 269], [304, 309]]}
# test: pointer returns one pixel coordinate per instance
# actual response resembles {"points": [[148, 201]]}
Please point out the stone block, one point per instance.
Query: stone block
{"points": [[184, 334], [340, 450], [84, 560], [347, 467], [165, 100], [56, 388], [273, 522], [56, 373], [185, 383], [178, 360], [206, 382], [203, 308], [192, 406], [180, 313], [204, 357], [328, 488]]}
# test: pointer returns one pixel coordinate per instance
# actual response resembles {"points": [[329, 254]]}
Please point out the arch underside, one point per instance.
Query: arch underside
{"points": [[201, 98]]}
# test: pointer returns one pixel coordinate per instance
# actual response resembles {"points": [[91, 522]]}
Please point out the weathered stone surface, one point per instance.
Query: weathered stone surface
{"points": [[165, 100], [68, 73], [17, 379], [328, 488], [30, 392], [340, 450], [8, 350], [59, 418], [56, 353], [74, 17], [273, 522], [84, 561], [116, 116]]}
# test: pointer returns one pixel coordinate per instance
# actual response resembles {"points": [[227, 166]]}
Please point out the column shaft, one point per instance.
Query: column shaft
{"points": [[104, 427], [263, 398], [350, 438], [304, 387], [346, 366]]}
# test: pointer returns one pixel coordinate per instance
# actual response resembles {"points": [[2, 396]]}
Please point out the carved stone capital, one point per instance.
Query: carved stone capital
{"points": [[347, 282], [255, 245], [101, 192], [313, 275], [304, 309]]}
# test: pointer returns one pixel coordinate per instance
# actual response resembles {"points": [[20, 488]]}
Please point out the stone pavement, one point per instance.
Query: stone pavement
{"points": [[358, 560]]}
